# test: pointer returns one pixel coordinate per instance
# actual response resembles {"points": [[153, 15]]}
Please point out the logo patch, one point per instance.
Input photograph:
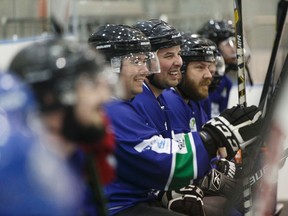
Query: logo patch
{"points": [[156, 144], [216, 179], [192, 124]]}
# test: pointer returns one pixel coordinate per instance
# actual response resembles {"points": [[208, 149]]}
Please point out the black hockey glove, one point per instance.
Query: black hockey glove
{"points": [[234, 128], [216, 183], [228, 168], [187, 200]]}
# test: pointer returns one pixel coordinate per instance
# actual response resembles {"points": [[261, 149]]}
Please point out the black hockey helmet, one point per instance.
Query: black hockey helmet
{"points": [[196, 48], [219, 60], [160, 33], [117, 40], [217, 31], [52, 67]]}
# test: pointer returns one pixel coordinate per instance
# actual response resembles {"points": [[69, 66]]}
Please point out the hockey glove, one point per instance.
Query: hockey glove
{"points": [[234, 128], [226, 167], [187, 200], [216, 183]]}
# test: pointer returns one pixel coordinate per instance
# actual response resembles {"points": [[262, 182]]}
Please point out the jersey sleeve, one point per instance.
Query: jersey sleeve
{"points": [[146, 159]]}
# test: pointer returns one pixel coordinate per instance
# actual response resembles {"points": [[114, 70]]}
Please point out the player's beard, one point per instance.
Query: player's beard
{"points": [[76, 132], [193, 91]]}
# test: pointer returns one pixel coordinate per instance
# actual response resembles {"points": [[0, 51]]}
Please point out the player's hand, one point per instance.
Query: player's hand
{"points": [[217, 183], [187, 200], [233, 129], [228, 168]]}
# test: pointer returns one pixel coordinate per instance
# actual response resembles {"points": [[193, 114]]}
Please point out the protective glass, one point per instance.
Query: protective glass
{"points": [[228, 47], [148, 59], [230, 42], [220, 64]]}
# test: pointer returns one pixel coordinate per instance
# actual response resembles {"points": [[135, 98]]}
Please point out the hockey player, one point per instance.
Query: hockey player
{"points": [[199, 64], [28, 170], [198, 61], [127, 46], [166, 41], [219, 72], [70, 90], [223, 34], [147, 162]]}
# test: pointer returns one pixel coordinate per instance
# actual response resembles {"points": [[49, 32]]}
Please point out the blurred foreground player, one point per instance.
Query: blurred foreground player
{"points": [[34, 181], [71, 89]]}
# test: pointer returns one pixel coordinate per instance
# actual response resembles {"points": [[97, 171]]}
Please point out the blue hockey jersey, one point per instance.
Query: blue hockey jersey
{"points": [[199, 113], [219, 98], [169, 116], [154, 110], [192, 115], [146, 161]]}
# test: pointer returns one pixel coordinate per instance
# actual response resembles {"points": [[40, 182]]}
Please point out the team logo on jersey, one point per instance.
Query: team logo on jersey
{"points": [[160, 145], [179, 144], [155, 143], [192, 124]]}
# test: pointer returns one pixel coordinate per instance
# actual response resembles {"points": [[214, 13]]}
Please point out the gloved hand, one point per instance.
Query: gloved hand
{"points": [[234, 128], [228, 168], [216, 183], [187, 200]]}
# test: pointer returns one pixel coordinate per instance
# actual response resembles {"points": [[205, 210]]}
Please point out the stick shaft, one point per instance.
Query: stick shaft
{"points": [[240, 52], [239, 39]]}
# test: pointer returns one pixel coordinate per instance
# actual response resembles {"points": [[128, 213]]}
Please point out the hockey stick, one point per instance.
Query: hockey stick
{"points": [[269, 99], [268, 83], [270, 93], [270, 90], [240, 61], [56, 27], [247, 199], [251, 172], [249, 75], [94, 181], [240, 52], [276, 97]]}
